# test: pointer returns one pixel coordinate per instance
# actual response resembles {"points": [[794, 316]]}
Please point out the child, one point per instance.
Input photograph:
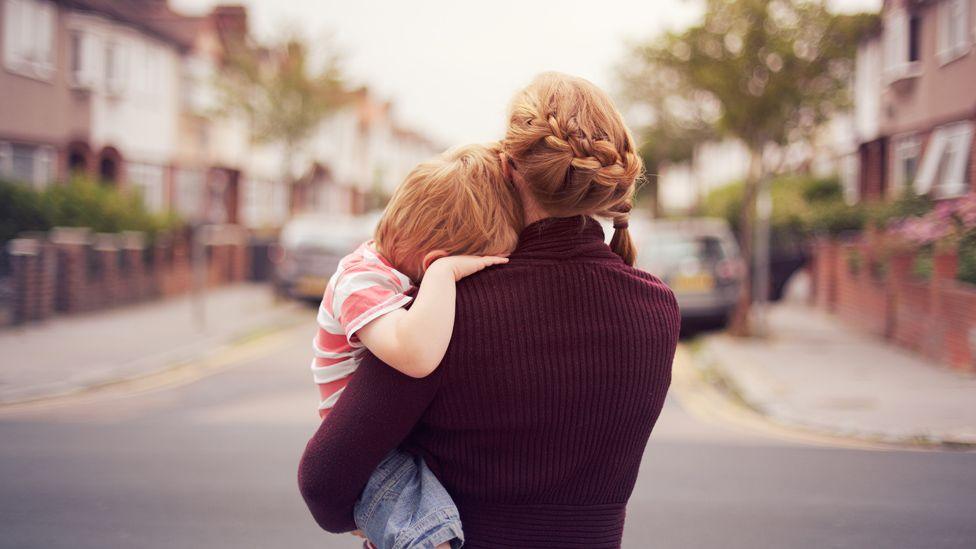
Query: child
{"points": [[453, 216]]}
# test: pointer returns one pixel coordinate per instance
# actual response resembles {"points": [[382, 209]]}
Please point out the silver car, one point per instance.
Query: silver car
{"points": [[310, 248], [699, 259]]}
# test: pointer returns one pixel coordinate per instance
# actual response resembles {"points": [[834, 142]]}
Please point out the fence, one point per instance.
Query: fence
{"points": [[884, 293]]}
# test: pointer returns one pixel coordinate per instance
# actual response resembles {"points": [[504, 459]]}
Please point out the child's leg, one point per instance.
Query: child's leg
{"points": [[404, 506]]}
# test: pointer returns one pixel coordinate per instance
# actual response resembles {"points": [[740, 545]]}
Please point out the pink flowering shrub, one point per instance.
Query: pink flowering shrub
{"points": [[952, 223], [947, 222]]}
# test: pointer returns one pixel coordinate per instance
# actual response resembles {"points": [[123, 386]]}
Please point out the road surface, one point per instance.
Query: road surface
{"points": [[209, 460]]}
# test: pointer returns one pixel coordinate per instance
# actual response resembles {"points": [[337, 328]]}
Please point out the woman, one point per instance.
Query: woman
{"points": [[537, 418]]}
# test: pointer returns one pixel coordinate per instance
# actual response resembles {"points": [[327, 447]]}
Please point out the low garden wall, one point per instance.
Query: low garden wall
{"points": [[910, 297], [71, 270]]}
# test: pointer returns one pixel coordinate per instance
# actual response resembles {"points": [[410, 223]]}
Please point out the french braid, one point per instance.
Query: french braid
{"points": [[575, 152]]}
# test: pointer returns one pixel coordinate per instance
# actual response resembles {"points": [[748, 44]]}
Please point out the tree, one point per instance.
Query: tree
{"points": [[673, 126], [664, 144], [768, 73], [279, 93]]}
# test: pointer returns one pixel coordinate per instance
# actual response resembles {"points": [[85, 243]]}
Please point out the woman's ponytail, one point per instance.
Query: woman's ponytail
{"points": [[622, 244]]}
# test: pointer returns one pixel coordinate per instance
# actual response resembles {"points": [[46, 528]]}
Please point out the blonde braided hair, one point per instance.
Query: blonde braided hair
{"points": [[575, 153]]}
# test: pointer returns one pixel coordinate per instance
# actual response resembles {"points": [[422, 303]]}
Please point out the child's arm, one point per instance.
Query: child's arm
{"points": [[414, 341]]}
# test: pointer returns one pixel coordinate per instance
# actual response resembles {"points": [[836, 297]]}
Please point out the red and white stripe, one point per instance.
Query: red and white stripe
{"points": [[365, 286]]}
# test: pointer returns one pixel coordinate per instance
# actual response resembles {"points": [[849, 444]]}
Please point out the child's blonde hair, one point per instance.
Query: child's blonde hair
{"points": [[459, 202], [576, 154]]}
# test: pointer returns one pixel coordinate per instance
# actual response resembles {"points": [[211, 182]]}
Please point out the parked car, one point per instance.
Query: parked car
{"points": [[309, 251], [699, 259]]}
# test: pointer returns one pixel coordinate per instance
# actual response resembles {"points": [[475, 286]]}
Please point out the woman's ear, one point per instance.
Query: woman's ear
{"points": [[432, 257]]}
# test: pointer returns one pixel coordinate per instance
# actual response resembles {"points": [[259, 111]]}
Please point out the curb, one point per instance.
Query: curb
{"points": [[714, 391], [176, 363]]}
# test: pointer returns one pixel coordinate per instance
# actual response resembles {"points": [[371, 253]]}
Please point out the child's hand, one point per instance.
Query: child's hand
{"points": [[461, 266]]}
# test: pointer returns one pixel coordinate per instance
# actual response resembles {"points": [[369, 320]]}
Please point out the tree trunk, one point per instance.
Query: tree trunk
{"points": [[739, 324]]}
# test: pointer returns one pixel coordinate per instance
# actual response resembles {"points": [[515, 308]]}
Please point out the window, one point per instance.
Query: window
{"points": [[907, 150], [953, 29], [148, 180], [30, 164], [915, 38], [115, 68], [945, 167], [82, 59], [199, 92], [28, 32], [901, 46]]}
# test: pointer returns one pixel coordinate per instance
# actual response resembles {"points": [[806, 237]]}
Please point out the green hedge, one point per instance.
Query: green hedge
{"points": [[21, 209], [801, 205], [79, 203], [804, 206]]}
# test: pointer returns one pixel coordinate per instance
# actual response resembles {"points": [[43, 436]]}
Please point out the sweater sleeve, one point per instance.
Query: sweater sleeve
{"points": [[377, 411]]}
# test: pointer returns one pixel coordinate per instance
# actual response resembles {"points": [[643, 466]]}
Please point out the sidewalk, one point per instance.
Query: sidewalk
{"points": [[816, 374], [73, 353]]}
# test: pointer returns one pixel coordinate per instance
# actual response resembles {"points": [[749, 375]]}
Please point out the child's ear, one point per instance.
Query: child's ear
{"points": [[432, 257]]}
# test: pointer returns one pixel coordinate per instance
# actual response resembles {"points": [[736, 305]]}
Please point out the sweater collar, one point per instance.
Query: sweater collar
{"points": [[563, 238]]}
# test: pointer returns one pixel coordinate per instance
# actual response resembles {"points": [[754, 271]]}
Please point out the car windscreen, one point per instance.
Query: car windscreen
{"points": [[667, 250]]}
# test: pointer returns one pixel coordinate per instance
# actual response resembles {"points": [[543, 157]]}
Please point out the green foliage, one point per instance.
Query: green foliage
{"points": [[276, 89], [923, 264], [967, 258], [835, 218], [763, 72], [823, 190], [21, 209], [907, 205], [79, 203], [802, 205]]}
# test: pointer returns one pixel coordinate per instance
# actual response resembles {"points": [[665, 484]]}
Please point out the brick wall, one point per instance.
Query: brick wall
{"points": [[878, 293], [862, 296], [32, 263], [70, 270]]}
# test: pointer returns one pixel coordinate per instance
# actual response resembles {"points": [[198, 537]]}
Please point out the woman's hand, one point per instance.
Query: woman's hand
{"points": [[460, 266]]}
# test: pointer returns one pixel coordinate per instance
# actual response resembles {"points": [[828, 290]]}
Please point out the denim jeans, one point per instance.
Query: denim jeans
{"points": [[404, 506]]}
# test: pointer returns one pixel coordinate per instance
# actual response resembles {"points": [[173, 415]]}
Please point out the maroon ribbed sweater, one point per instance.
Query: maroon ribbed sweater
{"points": [[537, 418]]}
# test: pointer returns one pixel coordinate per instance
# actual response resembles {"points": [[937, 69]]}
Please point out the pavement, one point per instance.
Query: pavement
{"points": [[83, 352], [812, 373]]}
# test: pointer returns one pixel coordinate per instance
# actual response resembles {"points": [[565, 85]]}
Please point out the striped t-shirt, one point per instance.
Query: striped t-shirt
{"points": [[364, 287]]}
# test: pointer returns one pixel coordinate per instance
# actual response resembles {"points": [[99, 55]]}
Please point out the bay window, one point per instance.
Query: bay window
{"points": [[953, 29], [945, 167], [28, 31]]}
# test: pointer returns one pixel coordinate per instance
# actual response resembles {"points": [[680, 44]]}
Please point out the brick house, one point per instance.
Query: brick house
{"points": [[915, 101], [124, 92], [90, 86], [40, 116]]}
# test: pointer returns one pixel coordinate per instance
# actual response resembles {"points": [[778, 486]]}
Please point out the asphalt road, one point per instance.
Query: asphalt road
{"points": [[211, 463]]}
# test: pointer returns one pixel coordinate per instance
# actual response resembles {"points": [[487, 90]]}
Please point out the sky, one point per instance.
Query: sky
{"points": [[450, 67]]}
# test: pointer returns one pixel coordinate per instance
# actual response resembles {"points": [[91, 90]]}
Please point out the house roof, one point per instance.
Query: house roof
{"points": [[151, 16]]}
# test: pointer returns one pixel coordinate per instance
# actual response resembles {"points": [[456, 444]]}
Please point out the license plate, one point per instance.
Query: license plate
{"points": [[697, 283], [311, 286]]}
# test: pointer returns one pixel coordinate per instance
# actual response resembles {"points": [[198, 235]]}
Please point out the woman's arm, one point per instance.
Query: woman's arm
{"points": [[377, 411], [414, 340]]}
